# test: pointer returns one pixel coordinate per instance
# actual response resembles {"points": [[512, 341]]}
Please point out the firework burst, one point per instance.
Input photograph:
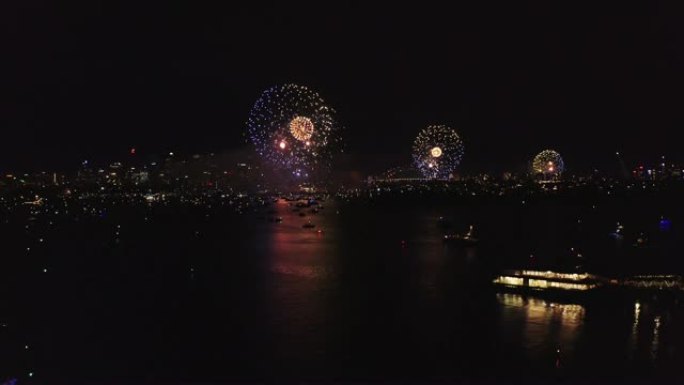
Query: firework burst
{"points": [[548, 163], [293, 128], [437, 151]]}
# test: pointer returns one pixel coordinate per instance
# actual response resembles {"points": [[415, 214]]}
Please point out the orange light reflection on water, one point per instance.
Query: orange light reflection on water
{"points": [[545, 326]]}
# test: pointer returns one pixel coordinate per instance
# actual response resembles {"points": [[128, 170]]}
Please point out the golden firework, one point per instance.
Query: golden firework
{"points": [[301, 128], [436, 152], [548, 162]]}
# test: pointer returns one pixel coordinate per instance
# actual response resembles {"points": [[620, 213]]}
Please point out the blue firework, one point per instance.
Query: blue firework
{"points": [[292, 128], [437, 152]]}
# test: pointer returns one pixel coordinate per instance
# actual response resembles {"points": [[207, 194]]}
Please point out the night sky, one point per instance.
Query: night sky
{"points": [[91, 80]]}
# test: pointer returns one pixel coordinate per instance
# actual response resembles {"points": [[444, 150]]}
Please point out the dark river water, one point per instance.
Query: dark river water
{"points": [[207, 294]]}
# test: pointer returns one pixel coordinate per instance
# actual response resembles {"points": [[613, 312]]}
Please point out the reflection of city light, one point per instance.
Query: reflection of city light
{"points": [[656, 336], [302, 271], [510, 299], [635, 326]]}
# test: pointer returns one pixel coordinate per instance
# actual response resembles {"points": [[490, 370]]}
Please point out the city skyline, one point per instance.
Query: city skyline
{"points": [[341, 192]]}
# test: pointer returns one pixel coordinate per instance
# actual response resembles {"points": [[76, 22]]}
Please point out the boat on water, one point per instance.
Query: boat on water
{"points": [[619, 232], [548, 280], [467, 239], [552, 282], [308, 225], [641, 241], [443, 222]]}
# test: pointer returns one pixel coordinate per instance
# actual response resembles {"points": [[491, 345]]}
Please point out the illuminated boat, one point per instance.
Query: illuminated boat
{"points": [[467, 239], [545, 280], [657, 282], [618, 233], [641, 241]]}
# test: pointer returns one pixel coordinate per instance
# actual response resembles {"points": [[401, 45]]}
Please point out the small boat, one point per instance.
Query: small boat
{"points": [[467, 239], [619, 232], [443, 222], [308, 225], [641, 241]]}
